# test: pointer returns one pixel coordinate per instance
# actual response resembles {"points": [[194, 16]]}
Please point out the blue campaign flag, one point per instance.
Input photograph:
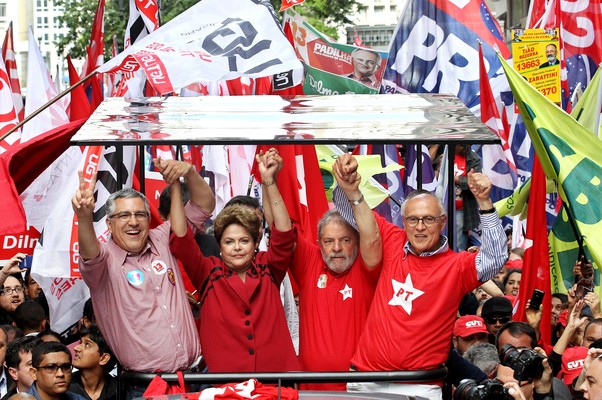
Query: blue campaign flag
{"points": [[435, 49]]}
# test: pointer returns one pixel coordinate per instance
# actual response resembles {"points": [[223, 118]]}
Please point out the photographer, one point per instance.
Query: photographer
{"points": [[534, 385]]}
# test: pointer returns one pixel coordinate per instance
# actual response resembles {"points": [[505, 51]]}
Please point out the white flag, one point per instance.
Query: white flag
{"points": [[211, 41], [41, 89], [55, 262]]}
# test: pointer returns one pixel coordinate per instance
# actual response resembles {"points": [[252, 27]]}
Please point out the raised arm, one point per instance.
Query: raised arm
{"points": [[348, 179], [200, 192], [83, 206], [12, 267], [494, 250], [269, 165], [176, 211]]}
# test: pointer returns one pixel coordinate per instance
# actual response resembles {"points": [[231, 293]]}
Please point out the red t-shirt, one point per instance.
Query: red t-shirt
{"points": [[411, 321], [332, 311]]}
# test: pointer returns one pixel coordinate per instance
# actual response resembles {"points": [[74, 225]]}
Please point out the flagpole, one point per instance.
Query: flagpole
{"points": [[573, 224], [48, 104]]}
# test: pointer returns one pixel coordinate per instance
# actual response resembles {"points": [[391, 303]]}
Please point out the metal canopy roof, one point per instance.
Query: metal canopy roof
{"points": [[349, 119]]}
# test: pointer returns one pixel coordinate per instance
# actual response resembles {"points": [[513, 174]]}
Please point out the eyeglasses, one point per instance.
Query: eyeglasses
{"points": [[429, 220], [126, 215], [501, 320], [9, 290], [53, 368]]}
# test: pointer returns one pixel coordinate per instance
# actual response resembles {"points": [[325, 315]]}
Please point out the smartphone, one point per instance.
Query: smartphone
{"points": [[586, 290], [536, 299], [26, 262]]}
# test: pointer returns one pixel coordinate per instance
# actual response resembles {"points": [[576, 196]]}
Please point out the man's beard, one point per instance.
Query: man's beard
{"points": [[339, 265]]}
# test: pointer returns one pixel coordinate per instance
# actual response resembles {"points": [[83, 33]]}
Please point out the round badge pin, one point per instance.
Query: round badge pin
{"points": [[135, 277], [159, 267]]}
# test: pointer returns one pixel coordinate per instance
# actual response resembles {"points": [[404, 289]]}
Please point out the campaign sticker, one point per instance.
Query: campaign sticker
{"points": [[159, 267], [322, 281], [135, 277], [171, 276]]}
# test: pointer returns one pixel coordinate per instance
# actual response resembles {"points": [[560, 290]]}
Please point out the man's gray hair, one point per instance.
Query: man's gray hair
{"points": [[484, 356], [127, 193], [333, 216], [376, 53], [422, 192]]}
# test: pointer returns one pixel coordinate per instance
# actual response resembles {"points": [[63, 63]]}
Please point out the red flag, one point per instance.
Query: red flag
{"points": [[356, 39], [286, 4], [79, 106], [97, 41], [490, 114], [304, 203], [8, 55], [536, 265], [8, 114], [18, 169]]}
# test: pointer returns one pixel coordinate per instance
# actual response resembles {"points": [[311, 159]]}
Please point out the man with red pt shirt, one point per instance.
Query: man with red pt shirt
{"points": [[335, 292], [410, 323]]}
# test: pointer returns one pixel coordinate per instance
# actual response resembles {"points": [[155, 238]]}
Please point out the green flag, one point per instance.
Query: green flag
{"points": [[564, 251], [569, 154]]}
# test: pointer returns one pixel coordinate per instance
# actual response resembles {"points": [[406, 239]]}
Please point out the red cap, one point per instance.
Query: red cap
{"points": [[514, 264], [563, 317], [572, 363], [469, 325]]}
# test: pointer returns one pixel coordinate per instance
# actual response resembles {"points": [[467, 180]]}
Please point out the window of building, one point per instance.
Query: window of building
{"points": [[379, 9], [2, 10]]}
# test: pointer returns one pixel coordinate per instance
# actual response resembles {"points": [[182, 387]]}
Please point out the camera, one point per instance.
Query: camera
{"points": [[489, 389], [526, 363]]}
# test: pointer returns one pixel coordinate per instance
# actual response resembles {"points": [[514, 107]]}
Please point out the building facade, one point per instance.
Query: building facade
{"points": [[42, 17]]}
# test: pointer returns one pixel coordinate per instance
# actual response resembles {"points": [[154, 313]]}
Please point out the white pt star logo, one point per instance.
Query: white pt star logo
{"points": [[347, 292], [404, 293]]}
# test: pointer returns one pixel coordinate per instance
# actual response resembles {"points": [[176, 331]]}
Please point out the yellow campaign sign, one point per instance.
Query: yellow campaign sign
{"points": [[536, 57]]}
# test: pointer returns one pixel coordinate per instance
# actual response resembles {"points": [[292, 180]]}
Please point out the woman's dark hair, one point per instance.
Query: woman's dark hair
{"points": [[510, 272], [239, 215]]}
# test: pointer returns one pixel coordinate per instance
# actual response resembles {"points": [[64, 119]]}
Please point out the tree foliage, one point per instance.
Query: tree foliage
{"points": [[78, 16]]}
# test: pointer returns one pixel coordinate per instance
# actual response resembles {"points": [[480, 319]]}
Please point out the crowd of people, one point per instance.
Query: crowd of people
{"points": [[371, 297]]}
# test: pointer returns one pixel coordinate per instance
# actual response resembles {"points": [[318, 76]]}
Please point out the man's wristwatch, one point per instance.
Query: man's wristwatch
{"points": [[358, 201]]}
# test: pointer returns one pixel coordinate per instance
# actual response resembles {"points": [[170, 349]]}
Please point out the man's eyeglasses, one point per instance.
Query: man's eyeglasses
{"points": [[126, 215], [429, 220], [9, 290], [53, 368], [501, 320]]}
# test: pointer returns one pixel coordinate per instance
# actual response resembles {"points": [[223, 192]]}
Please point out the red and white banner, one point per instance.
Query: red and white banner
{"points": [[209, 42], [55, 262], [143, 19], [8, 114], [8, 54]]}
